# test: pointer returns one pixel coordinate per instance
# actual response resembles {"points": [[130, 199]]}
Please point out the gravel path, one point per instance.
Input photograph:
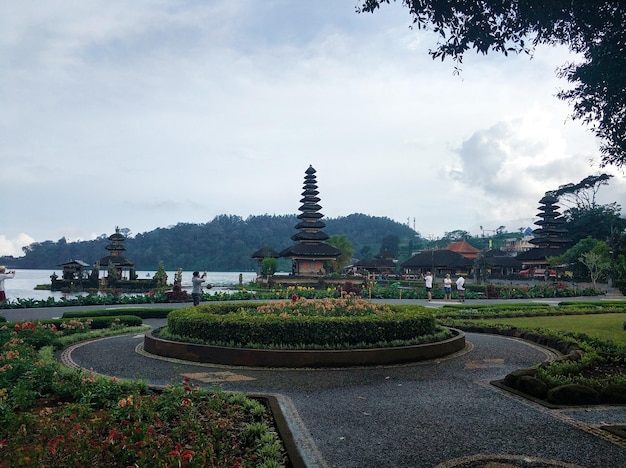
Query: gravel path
{"points": [[443, 413]]}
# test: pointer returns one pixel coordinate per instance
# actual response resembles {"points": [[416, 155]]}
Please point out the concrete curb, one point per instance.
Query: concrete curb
{"points": [[302, 358]]}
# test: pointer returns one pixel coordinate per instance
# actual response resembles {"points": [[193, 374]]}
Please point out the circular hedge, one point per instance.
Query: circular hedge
{"points": [[303, 323]]}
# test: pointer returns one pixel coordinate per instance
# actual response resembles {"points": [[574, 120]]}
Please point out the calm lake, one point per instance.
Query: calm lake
{"points": [[23, 285]]}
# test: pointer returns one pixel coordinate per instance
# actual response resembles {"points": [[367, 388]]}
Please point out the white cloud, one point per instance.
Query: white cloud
{"points": [[13, 247]]}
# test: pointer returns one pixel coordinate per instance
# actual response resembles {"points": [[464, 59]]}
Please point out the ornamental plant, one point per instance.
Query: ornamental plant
{"points": [[343, 307], [54, 416]]}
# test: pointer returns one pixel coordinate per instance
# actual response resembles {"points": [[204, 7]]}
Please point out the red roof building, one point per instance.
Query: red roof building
{"points": [[463, 248]]}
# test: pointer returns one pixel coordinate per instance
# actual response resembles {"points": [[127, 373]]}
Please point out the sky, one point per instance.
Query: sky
{"points": [[146, 114]]}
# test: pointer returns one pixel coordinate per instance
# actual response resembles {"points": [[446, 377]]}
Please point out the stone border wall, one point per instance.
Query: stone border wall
{"points": [[302, 358]]}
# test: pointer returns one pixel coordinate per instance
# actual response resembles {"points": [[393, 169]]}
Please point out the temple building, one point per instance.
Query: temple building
{"points": [[124, 268], [310, 253]]}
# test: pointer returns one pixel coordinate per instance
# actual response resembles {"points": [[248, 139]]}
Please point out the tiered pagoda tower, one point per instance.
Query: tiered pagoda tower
{"points": [[551, 236], [551, 233], [310, 252]]}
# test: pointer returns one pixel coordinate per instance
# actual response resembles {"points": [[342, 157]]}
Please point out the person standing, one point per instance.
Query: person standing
{"points": [[196, 290], [460, 287], [447, 288], [428, 282], [4, 275]]}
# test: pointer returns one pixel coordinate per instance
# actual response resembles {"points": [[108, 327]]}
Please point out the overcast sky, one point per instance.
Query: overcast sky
{"points": [[148, 113]]}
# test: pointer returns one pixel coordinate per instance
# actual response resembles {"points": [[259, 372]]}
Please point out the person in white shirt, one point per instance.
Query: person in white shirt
{"points": [[428, 280], [196, 286], [4, 275], [460, 287], [447, 288]]}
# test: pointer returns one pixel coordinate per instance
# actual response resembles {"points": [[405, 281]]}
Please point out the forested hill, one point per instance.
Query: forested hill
{"points": [[224, 244]]}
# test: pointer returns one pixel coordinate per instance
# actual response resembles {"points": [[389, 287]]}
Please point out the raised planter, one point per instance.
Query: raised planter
{"points": [[302, 358]]}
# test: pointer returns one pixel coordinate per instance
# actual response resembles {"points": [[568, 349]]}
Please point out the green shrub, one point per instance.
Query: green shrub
{"points": [[297, 326], [144, 313]]}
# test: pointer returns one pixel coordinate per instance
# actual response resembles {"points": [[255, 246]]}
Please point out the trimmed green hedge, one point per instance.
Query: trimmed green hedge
{"points": [[480, 311], [144, 313], [231, 324]]}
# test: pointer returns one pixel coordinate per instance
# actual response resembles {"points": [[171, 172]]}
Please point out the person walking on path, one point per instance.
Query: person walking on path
{"points": [[428, 280], [447, 288], [196, 290], [4, 275], [460, 287]]}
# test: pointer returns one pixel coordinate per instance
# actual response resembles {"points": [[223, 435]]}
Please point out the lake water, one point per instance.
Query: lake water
{"points": [[23, 285]]}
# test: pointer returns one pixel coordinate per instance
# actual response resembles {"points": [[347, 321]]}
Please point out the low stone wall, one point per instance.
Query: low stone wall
{"points": [[302, 358]]}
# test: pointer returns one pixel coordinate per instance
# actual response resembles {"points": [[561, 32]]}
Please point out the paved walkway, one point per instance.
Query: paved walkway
{"points": [[443, 413]]}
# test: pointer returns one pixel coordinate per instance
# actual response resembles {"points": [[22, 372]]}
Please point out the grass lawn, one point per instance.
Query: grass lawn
{"points": [[605, 326]]}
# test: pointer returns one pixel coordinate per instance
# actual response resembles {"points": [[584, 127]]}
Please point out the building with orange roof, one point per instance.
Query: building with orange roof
{"points": [[463, 248]]}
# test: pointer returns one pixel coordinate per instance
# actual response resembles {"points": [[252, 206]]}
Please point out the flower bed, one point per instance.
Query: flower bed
{"points": [[54, 416]]}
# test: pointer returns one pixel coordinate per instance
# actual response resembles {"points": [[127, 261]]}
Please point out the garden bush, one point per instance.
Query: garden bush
{"points": [[144, 313], [329, 322]]}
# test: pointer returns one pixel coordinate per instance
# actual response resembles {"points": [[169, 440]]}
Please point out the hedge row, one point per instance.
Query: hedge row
{"points": [[144, 313], [201, 323], [484, 311]]}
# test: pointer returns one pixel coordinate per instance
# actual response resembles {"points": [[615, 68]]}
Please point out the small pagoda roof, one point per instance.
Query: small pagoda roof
{"points": [[376, 263], [115, 247], [265, 252], [310, 236], [498, 258], [548, 198], [315, 224], [438, 258], [320, 250], [79, 263]]}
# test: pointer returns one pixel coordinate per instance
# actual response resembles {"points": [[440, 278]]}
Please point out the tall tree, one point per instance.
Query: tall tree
{"points": [[584, 216], [598, 262], [583, 194], [598, 222], [457, 235], [596, 30]]}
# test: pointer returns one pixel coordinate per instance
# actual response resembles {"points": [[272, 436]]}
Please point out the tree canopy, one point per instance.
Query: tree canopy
{"points": [[583, 194], [224, 244], [593, 29]]}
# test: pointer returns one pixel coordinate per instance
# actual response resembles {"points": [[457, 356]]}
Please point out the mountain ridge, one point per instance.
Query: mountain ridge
{"points": [[225, 243]]}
